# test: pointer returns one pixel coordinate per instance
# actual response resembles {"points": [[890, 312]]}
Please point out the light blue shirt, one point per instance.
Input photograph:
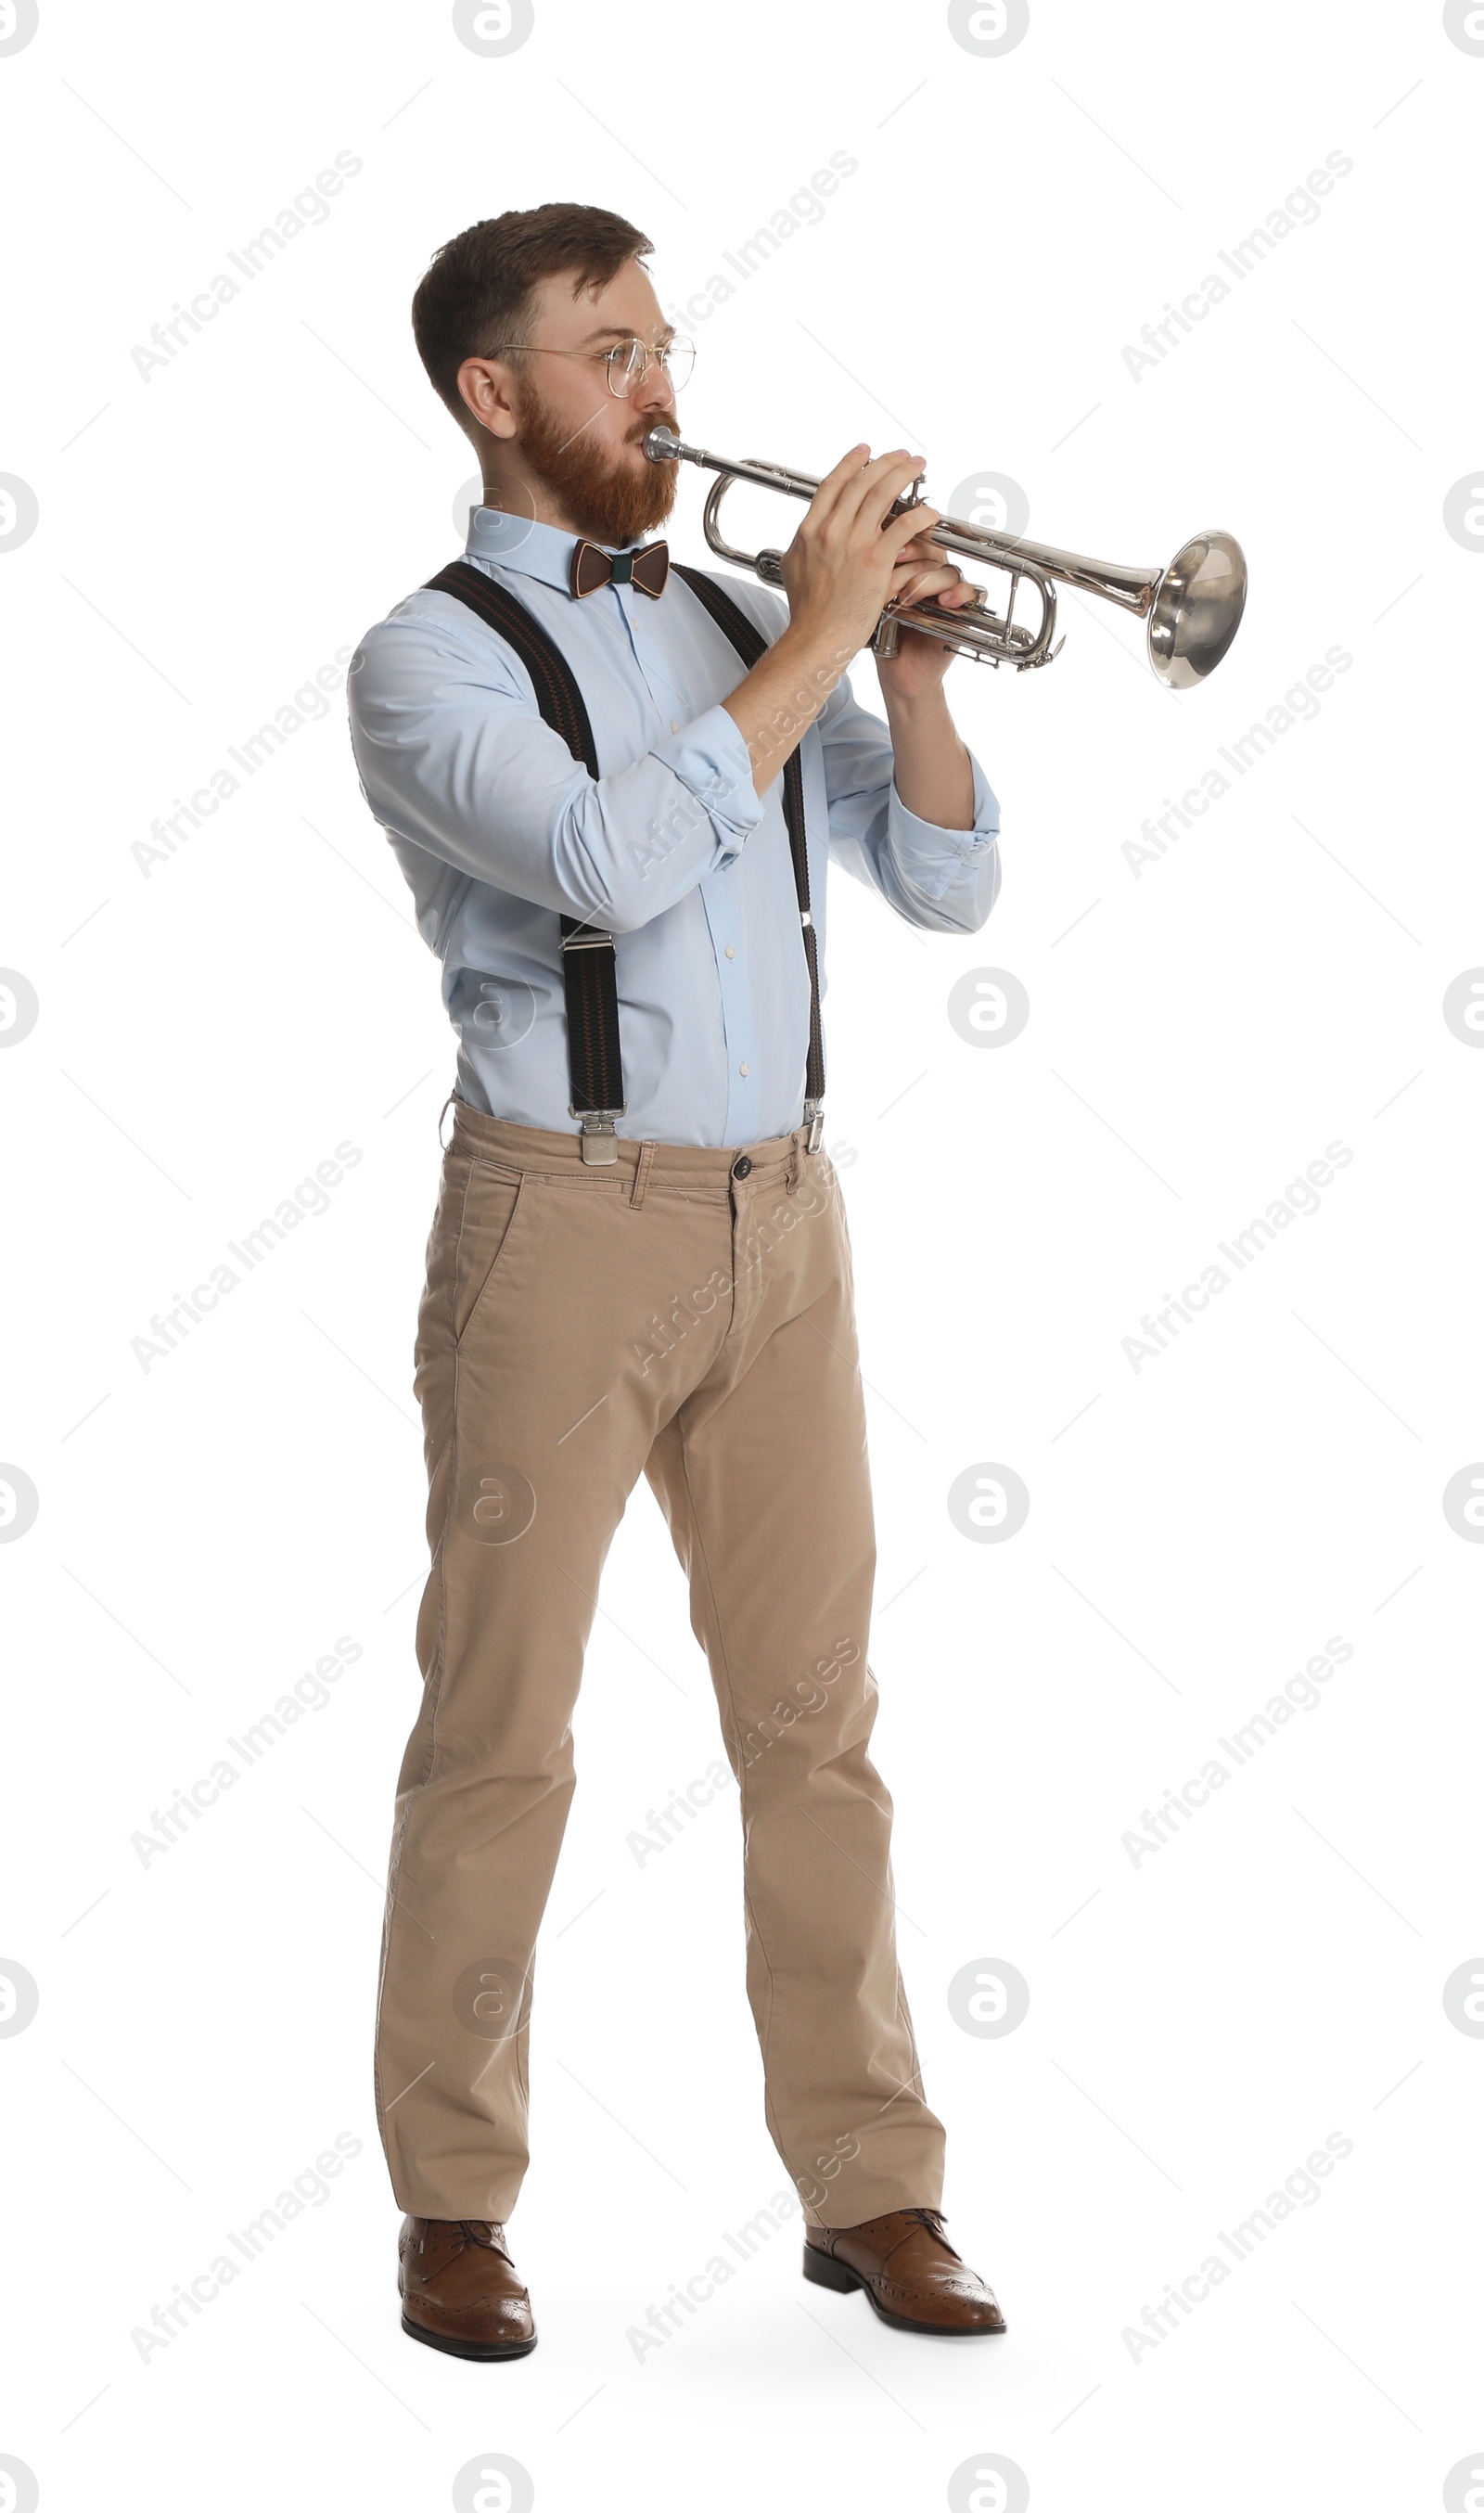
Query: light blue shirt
{"points": [[500, 830]]}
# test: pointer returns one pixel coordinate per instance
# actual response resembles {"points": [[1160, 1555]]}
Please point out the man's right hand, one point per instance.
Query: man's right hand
{"points": [[837, 570], [838, 575]]}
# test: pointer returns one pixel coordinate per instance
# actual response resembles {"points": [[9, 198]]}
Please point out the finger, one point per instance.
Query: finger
{"points": [[877, 486], [905, 596], [878, 496], [846, 504], [825, 498], [956, 595], [925, 580], [902, 529]]}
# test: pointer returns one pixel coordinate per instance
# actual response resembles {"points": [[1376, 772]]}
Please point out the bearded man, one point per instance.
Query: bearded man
{"points": [[614, 787]]}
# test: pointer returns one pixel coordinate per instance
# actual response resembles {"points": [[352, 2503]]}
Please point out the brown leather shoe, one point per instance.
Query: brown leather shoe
{"points": [[459, 2288], [910, 2271]]}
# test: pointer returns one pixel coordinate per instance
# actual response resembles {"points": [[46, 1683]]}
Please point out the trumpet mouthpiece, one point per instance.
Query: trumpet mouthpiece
{"points": [[661, 445]]}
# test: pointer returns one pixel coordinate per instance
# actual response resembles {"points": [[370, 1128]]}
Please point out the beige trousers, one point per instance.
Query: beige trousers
{"points": [[687, 1314]]}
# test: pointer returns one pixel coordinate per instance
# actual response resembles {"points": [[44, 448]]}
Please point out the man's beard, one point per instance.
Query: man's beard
{"points": [[605, 499]]}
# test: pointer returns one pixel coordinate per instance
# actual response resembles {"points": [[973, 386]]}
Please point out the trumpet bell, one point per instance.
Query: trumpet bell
{"points": [[1198, 609]]}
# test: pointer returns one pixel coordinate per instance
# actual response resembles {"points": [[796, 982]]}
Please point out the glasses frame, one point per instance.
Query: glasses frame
{"points": [[620, 360]]}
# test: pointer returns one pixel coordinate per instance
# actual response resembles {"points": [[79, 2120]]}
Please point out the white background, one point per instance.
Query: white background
{"points": [[1199, 1032]]}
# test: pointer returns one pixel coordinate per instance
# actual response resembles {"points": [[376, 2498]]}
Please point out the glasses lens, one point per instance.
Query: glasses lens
{"points": [[630, 359], [625, 365], [678, 360]]}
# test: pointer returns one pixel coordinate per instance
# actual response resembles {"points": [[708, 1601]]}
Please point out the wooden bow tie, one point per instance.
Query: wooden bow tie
{"points": [[646, 568]]}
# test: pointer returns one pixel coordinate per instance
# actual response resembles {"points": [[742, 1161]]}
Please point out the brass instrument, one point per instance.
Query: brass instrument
{"points": [[1193, 606]]}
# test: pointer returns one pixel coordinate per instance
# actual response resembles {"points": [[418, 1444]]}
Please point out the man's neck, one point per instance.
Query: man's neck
{"points": [[528, 501]]}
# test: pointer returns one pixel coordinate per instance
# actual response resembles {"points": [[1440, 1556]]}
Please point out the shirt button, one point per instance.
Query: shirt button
{"points": [[730, 950], [674, 727], [744, 1068], [742, 1168]]}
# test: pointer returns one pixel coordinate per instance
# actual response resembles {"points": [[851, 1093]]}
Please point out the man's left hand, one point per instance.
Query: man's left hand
{"points": [[921, 574]]}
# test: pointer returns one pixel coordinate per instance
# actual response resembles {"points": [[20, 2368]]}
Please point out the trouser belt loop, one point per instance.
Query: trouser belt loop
{"points": [[443, 1112], [795, 1158], [646, 1150]]}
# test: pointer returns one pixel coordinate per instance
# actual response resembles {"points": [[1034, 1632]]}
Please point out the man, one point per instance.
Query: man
{"points": [[639, 1261]]}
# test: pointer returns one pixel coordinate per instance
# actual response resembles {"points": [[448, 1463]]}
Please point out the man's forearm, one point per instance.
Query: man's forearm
{"points": [[934, 776], [785, 689]]}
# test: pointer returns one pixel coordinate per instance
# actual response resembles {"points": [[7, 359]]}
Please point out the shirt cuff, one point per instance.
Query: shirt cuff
{"points": [[710, 756], [933, 857]]}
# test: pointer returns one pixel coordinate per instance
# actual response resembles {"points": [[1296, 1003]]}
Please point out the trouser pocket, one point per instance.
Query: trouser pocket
{"points": [[493, 1202]]}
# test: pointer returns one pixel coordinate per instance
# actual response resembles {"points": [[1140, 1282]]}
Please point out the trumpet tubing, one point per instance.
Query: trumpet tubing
{"points": [[1193, 606]]}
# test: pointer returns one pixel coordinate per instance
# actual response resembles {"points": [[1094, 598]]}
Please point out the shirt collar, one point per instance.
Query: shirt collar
{"points": [[526, 547]]}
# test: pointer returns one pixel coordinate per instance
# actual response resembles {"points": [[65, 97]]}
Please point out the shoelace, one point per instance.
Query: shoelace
{"points": [[931, 2221], [476, 2230]]}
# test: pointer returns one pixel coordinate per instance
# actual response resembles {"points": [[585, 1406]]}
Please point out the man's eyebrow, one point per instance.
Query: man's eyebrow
{"points": [[627, 332]]}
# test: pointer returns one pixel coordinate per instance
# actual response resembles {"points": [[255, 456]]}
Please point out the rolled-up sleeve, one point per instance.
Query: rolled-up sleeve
{"points": [[454, 758], [944, 880]]}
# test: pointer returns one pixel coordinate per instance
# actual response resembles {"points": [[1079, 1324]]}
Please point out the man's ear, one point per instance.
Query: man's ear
{"points": [[486, 387]]}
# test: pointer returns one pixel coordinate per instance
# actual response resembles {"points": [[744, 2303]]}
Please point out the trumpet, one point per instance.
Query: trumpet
{"points": [[1193, 606]]}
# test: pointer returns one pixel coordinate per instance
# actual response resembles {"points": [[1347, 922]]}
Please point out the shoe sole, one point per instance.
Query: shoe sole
{"points": [[483, 2351], [822, 2270]]}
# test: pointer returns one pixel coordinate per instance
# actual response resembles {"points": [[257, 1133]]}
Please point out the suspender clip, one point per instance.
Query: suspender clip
{"points": [[600, 1137], [814, 1118]]}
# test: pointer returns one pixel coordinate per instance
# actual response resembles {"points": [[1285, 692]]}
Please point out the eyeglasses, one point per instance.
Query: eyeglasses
{"points": [[627, 362]]}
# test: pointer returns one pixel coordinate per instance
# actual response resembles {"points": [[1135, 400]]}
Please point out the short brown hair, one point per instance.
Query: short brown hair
{"points": [[476, 291]]}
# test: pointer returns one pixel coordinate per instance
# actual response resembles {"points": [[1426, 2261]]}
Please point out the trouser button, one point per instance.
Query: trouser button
{"points": [[742, 1168]]}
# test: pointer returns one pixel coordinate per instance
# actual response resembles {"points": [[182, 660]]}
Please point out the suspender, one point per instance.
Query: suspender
{"points": [[589, 961], [753, 645], [595, 1066]]}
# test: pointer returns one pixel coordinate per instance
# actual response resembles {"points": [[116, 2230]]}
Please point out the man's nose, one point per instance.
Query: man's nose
{"points": [[655, 391]]}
